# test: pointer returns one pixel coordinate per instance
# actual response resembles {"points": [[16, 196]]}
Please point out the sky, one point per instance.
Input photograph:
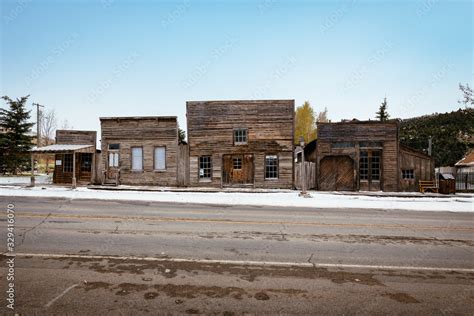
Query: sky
{"points": [[88, 59]]}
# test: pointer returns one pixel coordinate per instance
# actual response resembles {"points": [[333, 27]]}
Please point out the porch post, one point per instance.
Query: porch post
{"points": [[74, 184], [32, 179], [93, 173]]}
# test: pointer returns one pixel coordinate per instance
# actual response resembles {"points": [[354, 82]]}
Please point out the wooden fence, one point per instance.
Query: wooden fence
{"points": [[310, 175], [183, 165]]}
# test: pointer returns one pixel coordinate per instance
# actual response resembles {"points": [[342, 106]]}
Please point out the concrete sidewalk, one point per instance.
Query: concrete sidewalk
{"points": [[257, 190]]}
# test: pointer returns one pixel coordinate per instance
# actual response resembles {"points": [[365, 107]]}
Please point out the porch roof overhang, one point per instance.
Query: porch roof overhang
{"points": [[63, 149]]}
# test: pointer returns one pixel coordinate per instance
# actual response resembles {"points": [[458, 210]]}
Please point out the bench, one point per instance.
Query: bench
{"points": [[428, 186]]}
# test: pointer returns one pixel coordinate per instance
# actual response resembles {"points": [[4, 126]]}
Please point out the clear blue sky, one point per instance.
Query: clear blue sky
{"points": [[88, 59]]}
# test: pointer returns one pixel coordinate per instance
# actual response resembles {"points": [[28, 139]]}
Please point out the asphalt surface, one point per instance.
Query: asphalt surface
{"points": [[129, 258]]}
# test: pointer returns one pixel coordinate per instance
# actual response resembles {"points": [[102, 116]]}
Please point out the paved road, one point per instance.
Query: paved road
{"points": [[206, 258]]}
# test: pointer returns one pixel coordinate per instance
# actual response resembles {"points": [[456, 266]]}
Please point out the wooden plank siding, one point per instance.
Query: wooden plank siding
{"points": [[75, 137], [421, 164], [350, 138], [147, 133], [270, 125]]}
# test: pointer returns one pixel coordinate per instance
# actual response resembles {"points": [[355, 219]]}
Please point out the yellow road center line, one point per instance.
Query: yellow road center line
{"points": [[233, 222]]}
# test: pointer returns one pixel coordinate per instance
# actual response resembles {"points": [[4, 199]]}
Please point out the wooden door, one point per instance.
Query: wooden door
{"points": [[112, 165], [237, 169], [336, 174]]}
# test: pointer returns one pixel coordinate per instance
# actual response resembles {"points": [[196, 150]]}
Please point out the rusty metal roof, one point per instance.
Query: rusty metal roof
{"points": [[467, 161]]}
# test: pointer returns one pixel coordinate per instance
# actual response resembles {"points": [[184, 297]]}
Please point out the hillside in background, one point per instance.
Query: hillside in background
{"points": [[453, 134]]}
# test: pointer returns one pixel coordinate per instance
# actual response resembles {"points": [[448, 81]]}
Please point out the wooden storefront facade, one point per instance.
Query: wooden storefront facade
{"points": [[241, 143], [140, 150], [367, 156], [84, 164]]}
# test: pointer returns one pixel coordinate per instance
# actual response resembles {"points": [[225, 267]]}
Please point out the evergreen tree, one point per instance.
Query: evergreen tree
{"points": [[305, 123], [382, 114], [15, 141]]}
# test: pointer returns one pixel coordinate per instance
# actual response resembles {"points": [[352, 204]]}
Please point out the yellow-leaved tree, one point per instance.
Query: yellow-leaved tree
{"points": [[305, 123]]}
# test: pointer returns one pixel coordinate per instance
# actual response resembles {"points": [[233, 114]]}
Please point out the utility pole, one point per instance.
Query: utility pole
{"points": [[430, 145], [38, 123]]}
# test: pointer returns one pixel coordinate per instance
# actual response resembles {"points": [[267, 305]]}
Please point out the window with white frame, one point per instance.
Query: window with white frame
{"points": [[271, 167], [205, 167], [137, 158], [160, 158], [240, 136], [113, 159]]}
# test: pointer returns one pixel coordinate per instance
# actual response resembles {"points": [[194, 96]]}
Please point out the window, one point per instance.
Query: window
{"points": [[408, 174], [271, 167], [114, 146], [364, 165], [137, 158], [205, 167], [237, 163], [67, 165], [113, 159], [375, 165], [86, 162], [240, 136], [160, 158]]}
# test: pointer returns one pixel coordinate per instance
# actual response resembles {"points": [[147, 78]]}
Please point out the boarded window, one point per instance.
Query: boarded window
{"points": [[408, 174], [205, 167], [240, 136], [237, 163], [160, 158], [137, 158], [113, 159], [271, 167], [364, 165], [67, 166]]}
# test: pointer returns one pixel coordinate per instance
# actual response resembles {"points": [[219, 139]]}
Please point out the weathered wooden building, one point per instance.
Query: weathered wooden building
{"points": [[75, 156], [241, 143], [367, 156], [140, 150]]}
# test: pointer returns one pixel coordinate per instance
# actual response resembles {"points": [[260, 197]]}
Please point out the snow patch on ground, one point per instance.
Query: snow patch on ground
{"points": [[40, 179], [462, 203]]}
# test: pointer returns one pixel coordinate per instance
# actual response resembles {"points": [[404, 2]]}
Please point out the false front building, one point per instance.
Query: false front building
{"points": [[139, 150], [241, 143], [367, 156]]}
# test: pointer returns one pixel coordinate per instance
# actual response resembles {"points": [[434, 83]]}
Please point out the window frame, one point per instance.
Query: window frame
{"points": [[237, 161], [71, 163], [236, 136], [410, 173], [91, 157], [203, 177], [277, 165], [131, 159], [154, 159]]}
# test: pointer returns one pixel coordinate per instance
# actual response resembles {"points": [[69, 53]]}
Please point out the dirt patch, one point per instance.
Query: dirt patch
{"points": [[262, 296], [150, 295], [192, 291], [127, 288], [402, 298], [193, 311], [89, 286], [169, 269]]}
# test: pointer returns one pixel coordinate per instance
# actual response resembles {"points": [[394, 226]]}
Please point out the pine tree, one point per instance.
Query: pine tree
{"points": [[305, 123], [15, 141], [382, 114]]}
